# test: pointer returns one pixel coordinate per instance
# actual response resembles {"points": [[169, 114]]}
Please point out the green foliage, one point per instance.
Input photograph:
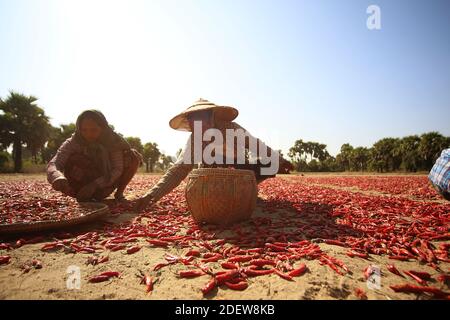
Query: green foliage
{"points": [[430, 146], [5, 161], [25, 127], [56, 139], [22, 123], [135, 143], [411, 153], [151, 155]]}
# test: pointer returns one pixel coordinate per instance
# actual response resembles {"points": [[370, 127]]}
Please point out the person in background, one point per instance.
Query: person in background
{"points": [[440, 174], [94, 162], [210, 116]]}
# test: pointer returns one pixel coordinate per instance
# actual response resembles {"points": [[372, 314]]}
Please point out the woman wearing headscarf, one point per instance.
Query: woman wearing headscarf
{"points": [[94, 162]]}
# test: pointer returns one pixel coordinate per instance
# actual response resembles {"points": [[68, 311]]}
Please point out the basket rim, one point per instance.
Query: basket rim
{"points": [[99, 209], [221, 171]]}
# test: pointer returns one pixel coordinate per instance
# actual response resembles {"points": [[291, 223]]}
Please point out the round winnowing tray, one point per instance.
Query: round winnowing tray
{"points": [[95, 211]]}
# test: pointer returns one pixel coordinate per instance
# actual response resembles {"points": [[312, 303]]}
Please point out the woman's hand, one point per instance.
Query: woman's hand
{"points": [[87, 192], [143, 203], [62, 185]]}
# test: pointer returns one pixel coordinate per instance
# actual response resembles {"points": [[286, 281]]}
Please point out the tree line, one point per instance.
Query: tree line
{"points": [[411, 154], [25, 129]]}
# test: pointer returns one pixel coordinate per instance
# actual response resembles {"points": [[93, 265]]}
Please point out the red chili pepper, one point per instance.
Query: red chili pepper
{"points": [[421, 274], [118, 247], [299, 271], [419, 280], [160, 265], [193, 253], [262, 262], [133, 249], [226, 276], [50, 246], [357, 254], [110, 274], [103, 259], [443, 278], [240, 259], [229, 265], [328, 262], [401, 258], [275, 247], [408, 288], [335, 242], [96, 279], [255, 250], [5, 246], [209, 286], [148, 281], [368, 271], [4, 259], [20, 243], [283, 275], [360, 293], [394, 270], [36, 264], [158, 243], [190, 273], [242, 285], [86, 250], [215, 258]]}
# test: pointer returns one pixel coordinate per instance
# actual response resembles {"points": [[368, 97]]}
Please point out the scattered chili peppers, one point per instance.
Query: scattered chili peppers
{"points": [[397, 227]]}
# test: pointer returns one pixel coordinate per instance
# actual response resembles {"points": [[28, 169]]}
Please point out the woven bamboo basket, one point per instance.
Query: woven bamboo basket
{"points": [[96, 210], [221, 196]]}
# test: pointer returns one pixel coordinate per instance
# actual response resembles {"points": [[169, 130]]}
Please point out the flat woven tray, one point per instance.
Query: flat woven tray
{"points": [[96, 210]]}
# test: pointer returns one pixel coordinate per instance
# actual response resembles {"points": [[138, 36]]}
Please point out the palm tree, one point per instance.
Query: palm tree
{"points": [[22, 123], [151, 155], [345, 156], [409, 148], [56, 139], [360, 157], [430, 147]]}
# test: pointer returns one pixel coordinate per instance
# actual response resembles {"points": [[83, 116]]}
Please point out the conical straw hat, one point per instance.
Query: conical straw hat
{"points": [[180, 122]]}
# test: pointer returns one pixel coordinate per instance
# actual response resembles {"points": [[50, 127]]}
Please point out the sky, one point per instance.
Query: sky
{"points": [[308, 70]]}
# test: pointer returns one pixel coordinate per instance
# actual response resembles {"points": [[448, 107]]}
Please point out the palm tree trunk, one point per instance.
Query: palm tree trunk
{"points": [[17, 154]]}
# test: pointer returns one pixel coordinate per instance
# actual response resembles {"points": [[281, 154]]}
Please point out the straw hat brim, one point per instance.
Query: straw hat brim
{"points": [[180, 122]]}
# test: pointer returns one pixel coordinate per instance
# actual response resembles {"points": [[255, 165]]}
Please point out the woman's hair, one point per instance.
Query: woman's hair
{"points": [[108, 138], [93, 115]]}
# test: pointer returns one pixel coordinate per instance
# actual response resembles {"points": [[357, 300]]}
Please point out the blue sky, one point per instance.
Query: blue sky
{"points": [[307, 70]]}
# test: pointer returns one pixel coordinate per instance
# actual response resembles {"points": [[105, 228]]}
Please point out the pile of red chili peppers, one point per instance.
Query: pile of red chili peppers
{"points": [[295, 217], [410, 186]]}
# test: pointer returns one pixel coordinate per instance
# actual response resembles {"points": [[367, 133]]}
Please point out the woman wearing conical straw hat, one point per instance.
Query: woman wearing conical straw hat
{"points": [[197, 119]]}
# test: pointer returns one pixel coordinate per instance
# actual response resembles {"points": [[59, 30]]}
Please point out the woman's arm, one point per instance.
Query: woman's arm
{"points": [[173, 177], [56, 165], [284, 166]]}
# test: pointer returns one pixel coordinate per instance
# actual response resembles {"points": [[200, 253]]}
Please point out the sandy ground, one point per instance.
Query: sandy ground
{"points": [[320, 282]]}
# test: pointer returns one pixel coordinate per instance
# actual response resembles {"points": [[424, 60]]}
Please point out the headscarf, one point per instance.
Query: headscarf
{"points": [[109, 141]]}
